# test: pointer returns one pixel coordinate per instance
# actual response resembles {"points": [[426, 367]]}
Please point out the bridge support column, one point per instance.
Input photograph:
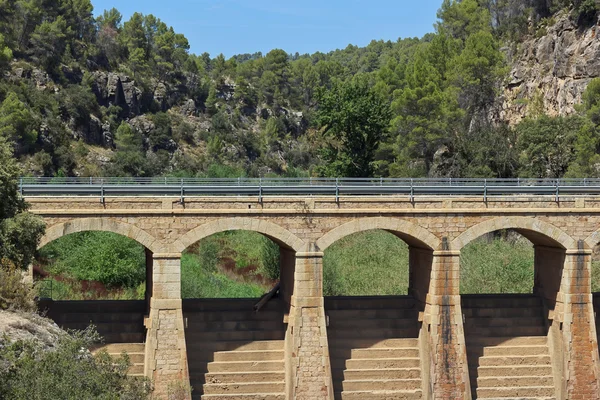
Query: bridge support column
{"points": [[449, 371], [578, 328], [166, 357], [308, 370]]}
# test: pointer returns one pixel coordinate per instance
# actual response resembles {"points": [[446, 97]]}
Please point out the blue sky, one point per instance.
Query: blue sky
{"points": [[246, 26]]}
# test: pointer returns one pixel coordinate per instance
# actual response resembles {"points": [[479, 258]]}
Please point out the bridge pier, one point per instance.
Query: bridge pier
{"points": [[443, 328], [166, 356], [308, 369], [580, 347]]}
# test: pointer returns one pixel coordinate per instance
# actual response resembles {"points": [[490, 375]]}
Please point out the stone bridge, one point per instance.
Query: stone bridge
{"points": [[435, 228]]}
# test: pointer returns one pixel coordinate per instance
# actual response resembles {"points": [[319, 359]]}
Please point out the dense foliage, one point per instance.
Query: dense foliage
{"points": [[30, 372], [94, 96]]}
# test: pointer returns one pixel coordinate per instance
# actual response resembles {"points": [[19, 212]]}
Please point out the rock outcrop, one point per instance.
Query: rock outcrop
{"points": [[550, 73], [118, 90]]}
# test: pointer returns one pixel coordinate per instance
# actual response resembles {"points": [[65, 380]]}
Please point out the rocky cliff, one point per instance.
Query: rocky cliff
{"points": [[550, 71]]}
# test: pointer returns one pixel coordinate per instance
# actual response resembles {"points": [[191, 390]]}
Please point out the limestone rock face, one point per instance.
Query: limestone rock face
{"points": [[550, 73], [118, 90]]}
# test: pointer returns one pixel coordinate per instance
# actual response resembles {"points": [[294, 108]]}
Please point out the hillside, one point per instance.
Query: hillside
{"points": [[482, 95]]}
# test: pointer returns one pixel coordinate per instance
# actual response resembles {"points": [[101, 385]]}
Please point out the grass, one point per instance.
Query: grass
{"points": [[241, 264], [366, 263], [497, 266]]}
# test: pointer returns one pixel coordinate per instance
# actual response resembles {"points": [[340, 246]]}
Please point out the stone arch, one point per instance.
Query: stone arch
{"points": [[537, 231], [412, 234], [279, 235], [593, 240], [105, 225]]}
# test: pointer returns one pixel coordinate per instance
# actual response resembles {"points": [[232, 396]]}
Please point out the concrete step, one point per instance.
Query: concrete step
{"points": [[246, 355], [401, 313], [516, 392], [513, 360], [503, 312], [118, 348], [514, 381], [197, 326], [231, 315], [378, 385], [372, 343], [365, 374], [369, 302], [486, 322], [376, 323], [378, 353], [244, 366], [137, 317], [514, 370], [506, 341], [507, 351], [229, 336], [136, 369], [243, 377], [218, 305], [333, 333], [241, 396], [194, 345], [245, 388], [506, 331], [501, 301], [107, 327], [375, 363], [379, 395], [110, 338]]}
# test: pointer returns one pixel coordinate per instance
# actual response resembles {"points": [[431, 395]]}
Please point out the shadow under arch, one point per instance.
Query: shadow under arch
{"points": [[494, 320], [362, 325], [101, 225], [117, 321]]}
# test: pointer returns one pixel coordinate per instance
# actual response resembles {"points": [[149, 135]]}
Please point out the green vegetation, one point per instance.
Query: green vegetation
{"points": [[367, 263], [82, 91], [497, 266], [28, 371], [105, 257]]}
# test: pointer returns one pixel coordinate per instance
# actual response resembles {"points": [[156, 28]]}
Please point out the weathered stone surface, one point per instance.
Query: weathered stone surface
{"points": [[551, 71]]}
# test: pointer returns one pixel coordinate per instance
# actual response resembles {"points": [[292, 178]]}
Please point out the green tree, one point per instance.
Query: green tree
{"points": [[587, 144], [546, 146], [48, 43], [5, 54], [353, 120], [20, 231], [17, 123], [129, 159]]}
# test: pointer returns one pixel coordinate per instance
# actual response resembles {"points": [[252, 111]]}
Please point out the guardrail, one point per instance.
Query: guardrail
{"points": [[260, 187]]}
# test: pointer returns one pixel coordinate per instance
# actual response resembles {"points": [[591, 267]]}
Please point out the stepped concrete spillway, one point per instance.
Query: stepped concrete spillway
{"points": [[304, 346]]}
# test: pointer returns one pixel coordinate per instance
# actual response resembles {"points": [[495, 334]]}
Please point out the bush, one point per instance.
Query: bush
{"points": [[68, 372], [112, 259], [14, 293]]}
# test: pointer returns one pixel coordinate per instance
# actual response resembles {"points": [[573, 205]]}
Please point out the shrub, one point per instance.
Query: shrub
{"points": [[106, 257], [14, 293], [68, 372]]}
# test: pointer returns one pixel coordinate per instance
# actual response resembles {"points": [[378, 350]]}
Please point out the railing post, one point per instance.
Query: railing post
{"points": [[182, 194], [485, 190], [337, 190], [557, 192], [412, 191], [21, 186], [260, 194], [102, 191]]}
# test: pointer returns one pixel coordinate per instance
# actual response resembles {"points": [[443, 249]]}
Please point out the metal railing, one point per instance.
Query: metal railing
{"points": [[260, 187]]}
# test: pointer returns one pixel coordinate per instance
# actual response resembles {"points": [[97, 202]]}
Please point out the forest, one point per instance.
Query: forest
{"points": [[85, 96]]}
